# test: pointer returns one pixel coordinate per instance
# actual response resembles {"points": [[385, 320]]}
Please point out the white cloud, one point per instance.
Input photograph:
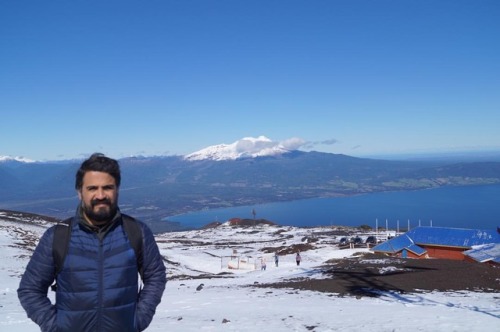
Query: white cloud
{"points": [[310, 145], [252, 145], [293, 143]]}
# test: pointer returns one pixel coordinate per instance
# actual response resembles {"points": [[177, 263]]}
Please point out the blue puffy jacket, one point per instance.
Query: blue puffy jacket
{"points": [[97, 288]]}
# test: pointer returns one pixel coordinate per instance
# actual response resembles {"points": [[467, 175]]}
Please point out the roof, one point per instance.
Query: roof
{"points": [[485, 253], [416, 250], [419, 237], [399, 243], [453, 237]]}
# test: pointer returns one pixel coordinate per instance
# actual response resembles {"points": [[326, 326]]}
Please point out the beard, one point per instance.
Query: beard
{"points": [[102, 214]]}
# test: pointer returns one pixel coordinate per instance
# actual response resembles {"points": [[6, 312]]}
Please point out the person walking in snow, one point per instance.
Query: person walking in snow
{"points": [[298, 258], [276, 259], [263, 264]]}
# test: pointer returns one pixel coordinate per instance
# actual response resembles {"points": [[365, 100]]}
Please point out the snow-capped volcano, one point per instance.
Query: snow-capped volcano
{"points": [[247, 147]]}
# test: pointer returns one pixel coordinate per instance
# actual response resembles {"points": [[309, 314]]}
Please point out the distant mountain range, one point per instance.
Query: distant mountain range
{"points": [[157, 187]]}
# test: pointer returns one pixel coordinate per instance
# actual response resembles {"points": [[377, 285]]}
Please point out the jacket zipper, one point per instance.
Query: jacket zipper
{"points": [[100, 281]]}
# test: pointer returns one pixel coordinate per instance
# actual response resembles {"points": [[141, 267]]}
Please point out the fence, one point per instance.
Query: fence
{"points": [[238, 262]]}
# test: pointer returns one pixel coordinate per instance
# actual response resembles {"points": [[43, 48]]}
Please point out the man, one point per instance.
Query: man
{"points": [[98, 283]]}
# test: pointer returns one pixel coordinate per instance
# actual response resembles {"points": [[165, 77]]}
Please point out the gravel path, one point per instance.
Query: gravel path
{"points": [[371, 274]]}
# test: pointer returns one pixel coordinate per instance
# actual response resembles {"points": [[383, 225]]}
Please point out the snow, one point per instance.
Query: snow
{"points": [[246, 147], [17, 158], [228, 302]]}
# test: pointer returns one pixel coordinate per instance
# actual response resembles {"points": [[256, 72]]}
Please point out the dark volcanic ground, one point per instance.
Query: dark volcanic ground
{"points": [[370, 274]]}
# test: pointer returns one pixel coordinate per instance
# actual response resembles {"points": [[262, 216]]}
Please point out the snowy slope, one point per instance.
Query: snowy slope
{"points": [[203, 294]]}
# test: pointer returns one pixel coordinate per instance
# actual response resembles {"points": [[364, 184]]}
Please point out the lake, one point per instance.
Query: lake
{"points": [[461, 207]]}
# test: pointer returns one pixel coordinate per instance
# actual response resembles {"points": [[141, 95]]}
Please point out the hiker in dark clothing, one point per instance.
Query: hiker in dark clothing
{"points": [[98, 283]]}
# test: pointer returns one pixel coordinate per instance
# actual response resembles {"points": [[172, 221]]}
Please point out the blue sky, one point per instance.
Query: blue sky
{"points": [[172, 77]]}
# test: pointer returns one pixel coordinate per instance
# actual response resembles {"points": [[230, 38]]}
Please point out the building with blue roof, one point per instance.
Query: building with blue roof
{"points": [[448, 243], [487, 253]]}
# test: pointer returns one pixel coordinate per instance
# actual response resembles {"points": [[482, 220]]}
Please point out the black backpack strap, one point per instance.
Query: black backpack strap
{"points": [[60, 244], [134, 234]]}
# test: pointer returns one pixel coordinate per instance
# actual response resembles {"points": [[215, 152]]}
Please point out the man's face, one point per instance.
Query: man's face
{"points": [[99, 197]]}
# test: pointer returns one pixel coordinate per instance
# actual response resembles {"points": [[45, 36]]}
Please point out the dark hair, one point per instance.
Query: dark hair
{"points": [[98, 162]]}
